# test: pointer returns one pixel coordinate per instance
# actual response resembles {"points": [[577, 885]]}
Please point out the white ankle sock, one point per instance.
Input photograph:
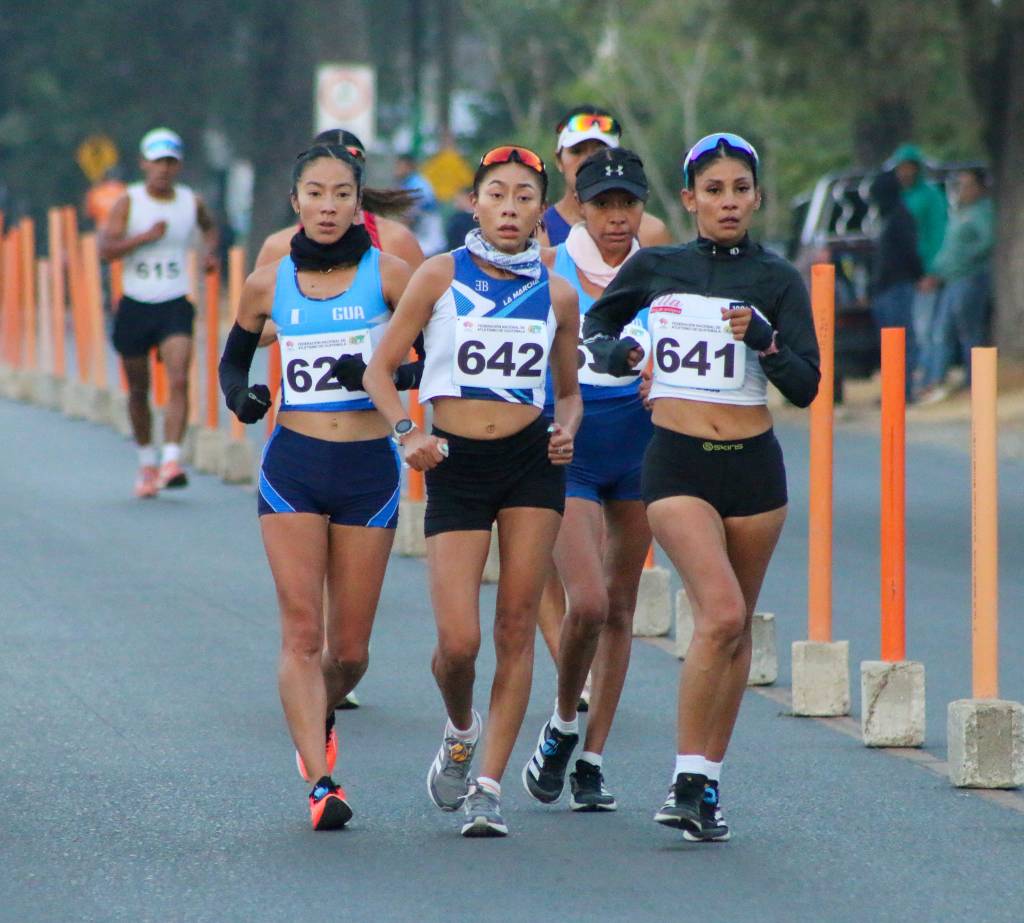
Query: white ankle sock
{"points": [[714, 771], [147, 456], [171, 452], [595, 759], [691, 763], [566, 727], [472, 733], [489, 785]]}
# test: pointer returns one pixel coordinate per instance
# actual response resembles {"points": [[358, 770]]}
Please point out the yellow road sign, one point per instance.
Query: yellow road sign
{"points": [[95, 155], [448, 172]]}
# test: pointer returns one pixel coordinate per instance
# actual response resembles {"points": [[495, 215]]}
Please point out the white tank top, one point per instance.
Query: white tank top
{"points": [[695, 355], [157, 271]]}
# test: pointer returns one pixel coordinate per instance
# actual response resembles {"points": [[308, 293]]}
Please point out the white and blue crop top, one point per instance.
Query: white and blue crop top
{"points": [[597, 386], [315, 332], [489, 339]]}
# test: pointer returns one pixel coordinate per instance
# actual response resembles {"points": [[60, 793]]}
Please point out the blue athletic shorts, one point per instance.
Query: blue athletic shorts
{"points": [[608, 451], [353, 483]]}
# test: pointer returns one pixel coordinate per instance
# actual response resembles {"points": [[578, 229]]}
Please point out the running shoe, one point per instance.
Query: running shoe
{"points": [[331, 751], [328, 808], [544, 775], [588, 793], [172, 475], [349, 702], [683, 807], [483, 813], [712, 820], [584, 702], [147, 483], [448, 776]]}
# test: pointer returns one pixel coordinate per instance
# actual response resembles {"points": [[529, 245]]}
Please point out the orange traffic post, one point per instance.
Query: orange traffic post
{"points": [[79, 318], [274, 383], [27, 274], [893, 511], [212, 307], [819, 583], [158, 374], [649, 562], [45, 316], [11, 315], [236, 278], [116, 283], [415, 486], [58, 293], [193, 366], [94, 302], [984, 524]]}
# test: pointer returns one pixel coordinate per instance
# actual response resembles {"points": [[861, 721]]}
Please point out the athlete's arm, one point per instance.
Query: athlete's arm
{"points": [[113, 243], [547, 256], [275, 246], [211, 237], [562, 361], [792, 362], [653, 232], [397, 239], [249, 404], [411, 315]]}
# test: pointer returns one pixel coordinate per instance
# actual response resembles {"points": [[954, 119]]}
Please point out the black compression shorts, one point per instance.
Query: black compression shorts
{"points": [[139, 325]]}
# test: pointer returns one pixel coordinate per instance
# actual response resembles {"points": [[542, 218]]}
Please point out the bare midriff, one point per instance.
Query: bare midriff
{"points": [[336, 426], [711, 421], [474, 419]]}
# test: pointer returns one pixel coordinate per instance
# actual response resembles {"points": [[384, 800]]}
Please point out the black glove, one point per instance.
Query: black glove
{"points": [[349, 371], [759, 333], [611, 355], [408, 375], [250, 404]]}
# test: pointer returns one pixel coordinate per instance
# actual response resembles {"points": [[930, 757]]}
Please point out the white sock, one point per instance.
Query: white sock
{"points": [[714, 771], [489, 785], [691, 763], [595, 759], [472, 733], [147, 456], [171, 452], [566, 727]]}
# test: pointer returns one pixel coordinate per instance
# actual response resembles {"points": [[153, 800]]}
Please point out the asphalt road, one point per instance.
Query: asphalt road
{"points": [[146, 773]]}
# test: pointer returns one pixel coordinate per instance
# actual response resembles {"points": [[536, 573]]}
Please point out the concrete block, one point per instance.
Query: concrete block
{"points": [[684, 624], [821, 678], [986, 743], [188, 444], [49, 392], [6, 381], [492, 567], [76, 399], [409, 539], [28, 385], [98, 407], [892, 703], [209, 454], [653, 616], [119, 417], [764, 661], [239, 462]]}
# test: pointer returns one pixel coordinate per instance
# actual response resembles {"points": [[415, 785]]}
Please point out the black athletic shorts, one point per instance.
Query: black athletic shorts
{"points": [[481, 476], [139, 325], [739, 478]]}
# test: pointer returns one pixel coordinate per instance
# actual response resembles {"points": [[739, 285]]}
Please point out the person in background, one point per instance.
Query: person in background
{"points": [[962, 268], [927, 204], [424, 219], [896, 266]]}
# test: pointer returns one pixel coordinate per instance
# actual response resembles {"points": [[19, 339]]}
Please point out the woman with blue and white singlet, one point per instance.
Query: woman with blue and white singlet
{"points": [[329, 479], [493, 320], [604, 537]]}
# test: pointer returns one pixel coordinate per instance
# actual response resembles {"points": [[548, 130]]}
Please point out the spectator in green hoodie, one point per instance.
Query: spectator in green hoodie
{"points": [[962, 268]]}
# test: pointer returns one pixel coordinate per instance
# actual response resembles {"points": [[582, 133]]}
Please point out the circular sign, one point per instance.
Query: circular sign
{"points": [[344, 94]]}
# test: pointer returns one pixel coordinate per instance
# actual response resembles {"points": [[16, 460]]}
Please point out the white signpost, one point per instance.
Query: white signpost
{"points": [[346, 97]]}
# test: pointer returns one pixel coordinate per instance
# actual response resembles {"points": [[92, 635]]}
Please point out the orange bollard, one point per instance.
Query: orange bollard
{"points": [[58, 292], [649, 562], [76, 292], [236, 278], [94, 302], [193, 365], [893, 512], [274, 383], [27, 274], [984, 524], [415, 486], [158, 373], [116, 283], [819, 552], [9, 329], [212, 306]]}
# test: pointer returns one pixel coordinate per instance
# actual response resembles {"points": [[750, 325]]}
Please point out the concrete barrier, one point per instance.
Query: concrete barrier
{"points": [[821, 678], [120, 419], [77, 398], [653, 616], [985, 739], [97, 408], [209, 452], [239, 462], [492, 567], [409, 539], [892, 697], [764, 659]]}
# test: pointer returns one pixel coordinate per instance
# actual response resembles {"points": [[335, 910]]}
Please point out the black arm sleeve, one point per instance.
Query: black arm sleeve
{"points": [[408, 375], [248, 404], [796, 368], [621, 301]]}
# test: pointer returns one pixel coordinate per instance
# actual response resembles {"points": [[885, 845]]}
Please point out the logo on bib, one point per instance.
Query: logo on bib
{"points": [[535, 328]]}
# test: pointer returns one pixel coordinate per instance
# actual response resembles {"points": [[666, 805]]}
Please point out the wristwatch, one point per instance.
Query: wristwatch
{"points": [[402, 429]]}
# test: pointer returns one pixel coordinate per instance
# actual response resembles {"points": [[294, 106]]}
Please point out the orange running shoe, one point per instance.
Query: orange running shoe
{"points": [[172, 475], [328, 808], [147, 484], [331, 752]]}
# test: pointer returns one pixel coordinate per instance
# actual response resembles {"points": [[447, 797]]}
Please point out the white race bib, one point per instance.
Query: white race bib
{"points": [[585, 359], [306, 363], [693, 346], [500, 352]]}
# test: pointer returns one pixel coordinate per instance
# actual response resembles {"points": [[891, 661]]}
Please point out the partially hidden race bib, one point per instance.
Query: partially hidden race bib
{"points": [[500, 352], [306, 363], [585, 359], [693, 347]]}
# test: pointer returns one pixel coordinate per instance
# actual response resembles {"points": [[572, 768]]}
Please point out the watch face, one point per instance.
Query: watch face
{"points": [[403, 426]]}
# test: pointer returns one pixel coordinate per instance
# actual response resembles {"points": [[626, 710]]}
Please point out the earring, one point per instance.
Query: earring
{"points": [[476, 218]]}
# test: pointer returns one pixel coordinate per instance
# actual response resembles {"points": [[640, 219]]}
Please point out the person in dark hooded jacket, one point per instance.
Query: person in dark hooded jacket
{"points": [[896, 266]]}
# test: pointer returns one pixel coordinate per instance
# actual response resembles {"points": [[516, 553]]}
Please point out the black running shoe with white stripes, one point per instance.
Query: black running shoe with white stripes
{"points": [[682, 808], [588, 793], [544, 775], [713, 825]]}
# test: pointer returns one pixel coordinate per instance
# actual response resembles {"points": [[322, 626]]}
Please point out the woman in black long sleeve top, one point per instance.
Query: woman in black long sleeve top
{"points": [[725, 318]]}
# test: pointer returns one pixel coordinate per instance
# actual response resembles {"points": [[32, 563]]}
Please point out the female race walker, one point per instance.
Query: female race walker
{"points": [[329, 480], [725, 317], [604, 538], [493, 319]]}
